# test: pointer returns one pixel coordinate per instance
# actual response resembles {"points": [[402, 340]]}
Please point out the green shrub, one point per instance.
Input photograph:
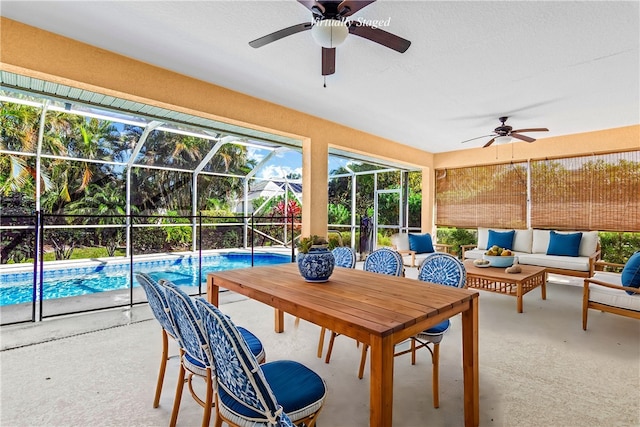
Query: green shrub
{"points": [[456, 237], [618, 247]]}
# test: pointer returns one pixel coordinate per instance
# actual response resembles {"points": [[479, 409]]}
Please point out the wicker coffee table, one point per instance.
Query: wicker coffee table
{"points": [[494, 279]]}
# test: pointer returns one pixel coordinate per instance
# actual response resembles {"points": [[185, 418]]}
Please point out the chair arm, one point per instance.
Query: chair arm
{"points": [[600, 265], [409, 252], [594, 258], [442, 247], [465, 248], [610, 285]]}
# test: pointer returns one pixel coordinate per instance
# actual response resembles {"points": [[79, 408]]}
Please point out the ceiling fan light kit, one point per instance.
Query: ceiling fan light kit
{"points": [[503, 140], [330, 33]]}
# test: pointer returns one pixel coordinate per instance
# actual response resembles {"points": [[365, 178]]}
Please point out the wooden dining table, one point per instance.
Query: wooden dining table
{"points": [[375, 309]]}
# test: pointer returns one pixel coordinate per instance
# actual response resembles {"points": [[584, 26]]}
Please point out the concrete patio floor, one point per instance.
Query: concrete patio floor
{"points": [[538, 368]]}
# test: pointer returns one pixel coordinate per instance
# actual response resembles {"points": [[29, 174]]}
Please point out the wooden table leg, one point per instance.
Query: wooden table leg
{"points": [[278, 321], [544, 285], [519, 296], [381, 391], [212, 291], [470, 365]]}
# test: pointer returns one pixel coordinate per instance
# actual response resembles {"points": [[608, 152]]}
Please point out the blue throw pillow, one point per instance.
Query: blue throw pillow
{"points": [[503, 239], [421, 243], [564, 244], [631, 273]]}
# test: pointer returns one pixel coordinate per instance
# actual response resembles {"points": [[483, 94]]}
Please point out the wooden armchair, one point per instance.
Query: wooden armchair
{"points": [[604, 292], [400, 242]]}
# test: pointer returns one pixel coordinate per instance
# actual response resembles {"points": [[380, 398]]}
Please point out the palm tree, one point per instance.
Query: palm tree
{"points": [[103, 205], [18, 133]]}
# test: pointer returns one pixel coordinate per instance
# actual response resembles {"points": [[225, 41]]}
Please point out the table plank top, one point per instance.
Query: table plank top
{"points": [[377, 303]]}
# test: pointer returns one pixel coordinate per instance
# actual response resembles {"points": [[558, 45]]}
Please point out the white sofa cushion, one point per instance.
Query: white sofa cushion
{"points": [[483, 236], [540, 241], [400, 241], [612, 297], [578, 263], [589, 243], [522, 241]]}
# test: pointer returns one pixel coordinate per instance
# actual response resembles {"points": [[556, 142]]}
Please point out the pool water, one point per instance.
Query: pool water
{"points": [[18, 288]]}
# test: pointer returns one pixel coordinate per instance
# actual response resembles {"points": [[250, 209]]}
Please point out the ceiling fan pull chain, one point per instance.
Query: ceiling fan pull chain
{"points": [[325, 81]]}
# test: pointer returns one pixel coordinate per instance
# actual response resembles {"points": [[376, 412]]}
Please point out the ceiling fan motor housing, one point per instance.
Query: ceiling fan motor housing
{"points": [[503, 130]]}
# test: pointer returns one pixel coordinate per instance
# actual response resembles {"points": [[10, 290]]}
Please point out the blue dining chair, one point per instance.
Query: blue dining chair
{"points": [[346, 258], [443, 269], [281, 393], [159, 308], [194, 360], [384, 261]]}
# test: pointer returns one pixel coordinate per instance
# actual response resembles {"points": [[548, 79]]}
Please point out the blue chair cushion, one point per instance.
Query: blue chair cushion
{"points": [[294, 386], [630, 275], [194, 365], [421, 243], [564, 244], [503, 239], [440, 328]]}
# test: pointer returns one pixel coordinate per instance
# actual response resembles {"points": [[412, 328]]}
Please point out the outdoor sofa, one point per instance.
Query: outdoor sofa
{"points": [[560, 252]]}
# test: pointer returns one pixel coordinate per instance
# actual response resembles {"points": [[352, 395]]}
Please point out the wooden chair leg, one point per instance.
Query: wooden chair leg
{"points": [[208, 400], [435, 360], [179, 388], [330, 348], [218, 422], [413, 351], [321, 342], [585, 306], [363, 360], [163, 368]]}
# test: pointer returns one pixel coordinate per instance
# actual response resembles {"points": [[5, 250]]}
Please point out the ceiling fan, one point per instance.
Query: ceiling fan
{"points": [[329, 27], [507, 131]]}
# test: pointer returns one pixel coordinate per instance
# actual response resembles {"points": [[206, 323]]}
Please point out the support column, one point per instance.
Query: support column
{"points": [[428, 201], [315, 176]]}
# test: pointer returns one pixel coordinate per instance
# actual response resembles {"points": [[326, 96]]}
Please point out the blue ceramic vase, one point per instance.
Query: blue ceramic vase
{"points": [[316, 265]]}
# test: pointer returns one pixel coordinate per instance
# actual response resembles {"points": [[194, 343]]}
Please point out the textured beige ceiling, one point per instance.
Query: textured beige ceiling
{"points": [[569, 66]]}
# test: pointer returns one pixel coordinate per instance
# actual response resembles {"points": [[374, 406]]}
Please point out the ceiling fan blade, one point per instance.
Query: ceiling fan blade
{"points": [[531, 130], [477, 137], [348, 8], [522, 137], [280, 34], [379, 36], [489, 143], [328, 61]]}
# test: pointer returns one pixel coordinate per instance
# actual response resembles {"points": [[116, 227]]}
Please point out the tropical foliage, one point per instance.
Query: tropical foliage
{"points": [[82, 176]]}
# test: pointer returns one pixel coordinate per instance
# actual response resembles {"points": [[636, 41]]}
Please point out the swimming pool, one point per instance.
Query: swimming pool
{"points": [[17, 288]]}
